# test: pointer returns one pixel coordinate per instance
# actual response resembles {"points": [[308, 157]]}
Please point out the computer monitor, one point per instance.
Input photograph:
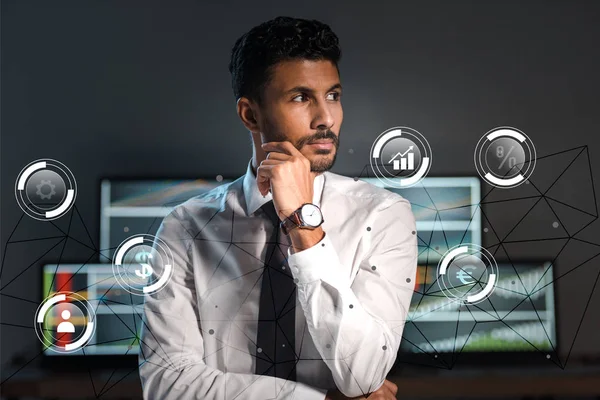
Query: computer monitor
{"points": [[117, 312], [129, 207], [446, 209], [517, 317]]}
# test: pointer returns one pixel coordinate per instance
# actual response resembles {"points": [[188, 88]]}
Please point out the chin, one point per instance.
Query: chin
{"points": [[322, 163]]}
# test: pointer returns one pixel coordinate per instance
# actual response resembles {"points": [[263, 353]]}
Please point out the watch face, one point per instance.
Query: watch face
{"points": [[311, 215]]}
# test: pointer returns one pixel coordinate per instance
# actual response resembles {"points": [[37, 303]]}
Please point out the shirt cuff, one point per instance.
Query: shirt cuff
{"points": [[319, 262], [303, 391]]}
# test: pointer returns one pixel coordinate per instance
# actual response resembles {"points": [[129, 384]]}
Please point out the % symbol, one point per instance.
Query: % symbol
{"points": [[512, 161]]}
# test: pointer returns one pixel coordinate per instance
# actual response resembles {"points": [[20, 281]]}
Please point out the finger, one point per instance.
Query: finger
{"points": [[263, 185], [283, 147], [275, 155], [263, 178], [265, 173], [272, 162], [384, 393], [391, 386]]}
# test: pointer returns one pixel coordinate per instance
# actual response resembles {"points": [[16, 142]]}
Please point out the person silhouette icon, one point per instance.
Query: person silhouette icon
{"points": [[65, 326]]}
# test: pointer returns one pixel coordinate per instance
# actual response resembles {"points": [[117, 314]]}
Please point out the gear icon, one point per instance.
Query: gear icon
{"points": [[49, 195]]}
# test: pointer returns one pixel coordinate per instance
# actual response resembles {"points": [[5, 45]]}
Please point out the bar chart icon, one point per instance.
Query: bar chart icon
{"points": [[412, 159], [406, 161]]}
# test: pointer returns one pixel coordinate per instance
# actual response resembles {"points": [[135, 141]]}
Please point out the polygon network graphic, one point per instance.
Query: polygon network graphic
{"points": [[493, 254]]}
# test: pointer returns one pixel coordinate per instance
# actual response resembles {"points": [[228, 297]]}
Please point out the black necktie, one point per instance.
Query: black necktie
{"points": [[276, 355]]}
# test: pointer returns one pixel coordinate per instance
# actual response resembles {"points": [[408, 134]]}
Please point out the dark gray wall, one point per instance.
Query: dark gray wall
{"points": [[133, 89]]}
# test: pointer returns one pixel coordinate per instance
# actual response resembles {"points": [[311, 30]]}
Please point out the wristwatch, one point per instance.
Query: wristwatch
{"points": [[307, 216]]}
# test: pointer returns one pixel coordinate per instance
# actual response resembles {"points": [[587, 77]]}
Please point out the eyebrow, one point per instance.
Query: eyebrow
{"points": [[309, 90]]}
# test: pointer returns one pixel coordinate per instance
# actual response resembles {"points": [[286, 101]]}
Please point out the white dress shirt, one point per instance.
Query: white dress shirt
{"points": [[354, 288]]}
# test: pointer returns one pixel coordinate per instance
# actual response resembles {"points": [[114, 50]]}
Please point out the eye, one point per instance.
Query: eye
{"points": [[336, 95], [300, 95]]}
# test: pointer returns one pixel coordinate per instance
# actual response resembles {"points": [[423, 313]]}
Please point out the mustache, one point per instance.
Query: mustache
{"points": [[321, 135]]}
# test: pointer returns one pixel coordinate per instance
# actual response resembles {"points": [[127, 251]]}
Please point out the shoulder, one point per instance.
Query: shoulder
{"points": [[195, 212], [364, 194]]}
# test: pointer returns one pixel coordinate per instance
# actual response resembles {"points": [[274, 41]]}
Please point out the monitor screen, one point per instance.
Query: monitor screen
{"points": [[446, 209], [130, 207], [118, 313], [517, 316]]}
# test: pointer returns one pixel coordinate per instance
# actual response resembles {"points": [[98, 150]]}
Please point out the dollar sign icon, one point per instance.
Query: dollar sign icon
{"points": [[146, 268]]}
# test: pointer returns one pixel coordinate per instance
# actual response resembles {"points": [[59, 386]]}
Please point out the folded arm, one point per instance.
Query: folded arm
{"points": [[357, 325]]}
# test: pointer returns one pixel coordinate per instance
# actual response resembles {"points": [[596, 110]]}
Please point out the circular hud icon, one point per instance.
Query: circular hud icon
{"points": [[505, 157], [400, 157], [45, 189], [143, 264], [468, 273], [65, 322]]}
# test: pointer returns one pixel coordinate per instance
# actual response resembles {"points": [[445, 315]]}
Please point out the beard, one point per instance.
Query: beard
{"points": [[319, 164]]}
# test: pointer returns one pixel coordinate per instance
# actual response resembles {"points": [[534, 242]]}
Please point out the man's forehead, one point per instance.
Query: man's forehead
{"points": [[319, 75]]}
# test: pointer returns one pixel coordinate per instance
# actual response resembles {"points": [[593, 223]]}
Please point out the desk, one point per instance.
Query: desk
{"points": [[470, 384]]}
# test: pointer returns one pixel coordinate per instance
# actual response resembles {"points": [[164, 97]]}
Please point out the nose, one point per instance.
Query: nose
{"points": [[323, 118]]}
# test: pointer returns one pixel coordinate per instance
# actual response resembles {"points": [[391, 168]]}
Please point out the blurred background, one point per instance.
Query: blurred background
{"points": [[135, 99]]}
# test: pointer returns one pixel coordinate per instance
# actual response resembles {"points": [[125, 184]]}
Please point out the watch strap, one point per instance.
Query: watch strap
{"points": [[291, 222]]}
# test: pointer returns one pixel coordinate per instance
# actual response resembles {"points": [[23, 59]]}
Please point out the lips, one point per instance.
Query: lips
{"points": [[322, 144]]}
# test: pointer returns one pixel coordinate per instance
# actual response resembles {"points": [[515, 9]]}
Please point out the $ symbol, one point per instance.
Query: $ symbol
{"points": [[146, 269], [465, 277], [142, 257]]}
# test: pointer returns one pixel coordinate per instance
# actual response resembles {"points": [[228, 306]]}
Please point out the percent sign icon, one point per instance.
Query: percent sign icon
{"points": [[512, 161]]}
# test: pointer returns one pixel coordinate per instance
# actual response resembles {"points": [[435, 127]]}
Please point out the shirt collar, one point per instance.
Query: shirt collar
{"points": [[255, 200]]}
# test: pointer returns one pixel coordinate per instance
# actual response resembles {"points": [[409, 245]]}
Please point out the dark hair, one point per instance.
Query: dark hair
{"points": [[280, 39]]}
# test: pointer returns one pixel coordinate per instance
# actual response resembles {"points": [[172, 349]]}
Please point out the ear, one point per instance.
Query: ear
{"points": [[247, 110]]}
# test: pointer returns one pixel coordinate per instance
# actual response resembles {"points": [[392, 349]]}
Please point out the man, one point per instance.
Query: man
{"points": [[291, 282]]}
